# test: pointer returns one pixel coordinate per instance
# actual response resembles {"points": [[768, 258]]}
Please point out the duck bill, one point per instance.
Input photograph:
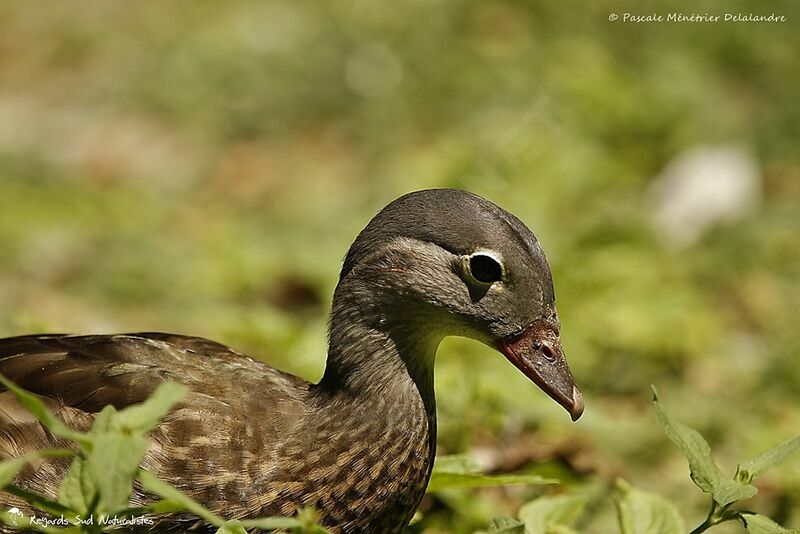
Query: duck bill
{"points": [[538, 354]]}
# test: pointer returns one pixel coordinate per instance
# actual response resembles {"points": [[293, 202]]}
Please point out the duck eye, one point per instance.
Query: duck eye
{"points": [[485, 269]]}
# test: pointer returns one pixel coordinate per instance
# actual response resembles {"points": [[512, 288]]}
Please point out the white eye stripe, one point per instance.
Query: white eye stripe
{"points": [[486, 252]]}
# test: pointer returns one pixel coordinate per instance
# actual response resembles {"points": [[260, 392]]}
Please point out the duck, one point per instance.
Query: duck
{"points": [[252, 441]]}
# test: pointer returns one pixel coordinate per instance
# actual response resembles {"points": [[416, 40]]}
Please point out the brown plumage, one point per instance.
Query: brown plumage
{"points": [[252, 441]]}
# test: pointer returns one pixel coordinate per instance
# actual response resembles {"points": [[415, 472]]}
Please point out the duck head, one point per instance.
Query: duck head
{"points": [[448, 262]]}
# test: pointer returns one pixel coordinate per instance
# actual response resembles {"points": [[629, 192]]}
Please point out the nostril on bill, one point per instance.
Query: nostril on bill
{"points": [[548, 352]]}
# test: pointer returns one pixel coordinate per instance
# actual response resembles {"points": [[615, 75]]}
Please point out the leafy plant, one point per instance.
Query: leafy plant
{"points": [[642, 512], [99, 482], [725, 491]]}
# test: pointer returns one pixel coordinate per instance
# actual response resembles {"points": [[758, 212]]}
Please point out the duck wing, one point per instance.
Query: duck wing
{"points": [[221, 437], [90, 372]]}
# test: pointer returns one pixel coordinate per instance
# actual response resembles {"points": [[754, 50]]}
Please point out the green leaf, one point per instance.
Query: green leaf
{"points": [[231, 527], [730, 491], [76, 490], [767, 460], [506, 525], [704, 471], [165, 506], [445, 481], [37, 407], [123, 452], [418, 516], [307, 517], [103, 421], [459, 464], [143, 417], [10, 468], [175, 498], [759, 524], [459, 471], [641, 512], [547, 514]]}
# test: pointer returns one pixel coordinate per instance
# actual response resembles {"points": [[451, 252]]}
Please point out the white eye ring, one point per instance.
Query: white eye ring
{"points": [[484, 267]]}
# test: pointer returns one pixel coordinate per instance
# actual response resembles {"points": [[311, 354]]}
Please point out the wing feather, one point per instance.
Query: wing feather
{"points": [[236, 415]]}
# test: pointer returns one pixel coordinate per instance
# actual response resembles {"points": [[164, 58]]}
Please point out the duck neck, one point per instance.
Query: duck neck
{"points": [[379, 351]]}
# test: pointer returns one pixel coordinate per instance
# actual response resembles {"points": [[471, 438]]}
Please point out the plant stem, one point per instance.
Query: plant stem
{"points": [[708, 523], [715, 516]]}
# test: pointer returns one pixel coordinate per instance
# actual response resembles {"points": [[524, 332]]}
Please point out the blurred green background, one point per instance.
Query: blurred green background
{"points": [[201, 167]]}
